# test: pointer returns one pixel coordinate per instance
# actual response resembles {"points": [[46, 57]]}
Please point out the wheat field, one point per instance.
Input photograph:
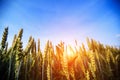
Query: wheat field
{"points": [[98, 62]]}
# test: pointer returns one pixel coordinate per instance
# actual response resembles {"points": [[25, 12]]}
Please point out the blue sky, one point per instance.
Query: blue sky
{"points": [[65, 20]]}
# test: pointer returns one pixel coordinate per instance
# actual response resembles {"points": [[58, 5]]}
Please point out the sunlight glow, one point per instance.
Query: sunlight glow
{"points": [[70, 51]]}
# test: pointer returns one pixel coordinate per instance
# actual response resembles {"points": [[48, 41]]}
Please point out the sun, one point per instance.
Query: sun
{"points": [[70, 51]]}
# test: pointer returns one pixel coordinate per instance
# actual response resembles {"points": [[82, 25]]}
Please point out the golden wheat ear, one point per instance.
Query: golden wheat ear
{"points": [[4, 37]]}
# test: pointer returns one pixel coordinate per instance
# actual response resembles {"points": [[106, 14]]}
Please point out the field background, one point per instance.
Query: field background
{"points": [[97, 62]]}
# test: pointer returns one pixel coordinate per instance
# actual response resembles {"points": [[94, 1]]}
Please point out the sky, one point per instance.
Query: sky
{"points": [[66, 20]]}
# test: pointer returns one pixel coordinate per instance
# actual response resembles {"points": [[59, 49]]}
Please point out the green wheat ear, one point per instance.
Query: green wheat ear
{"points": [[29, 45], [4, 38], [19, 49], [20, 34]]}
